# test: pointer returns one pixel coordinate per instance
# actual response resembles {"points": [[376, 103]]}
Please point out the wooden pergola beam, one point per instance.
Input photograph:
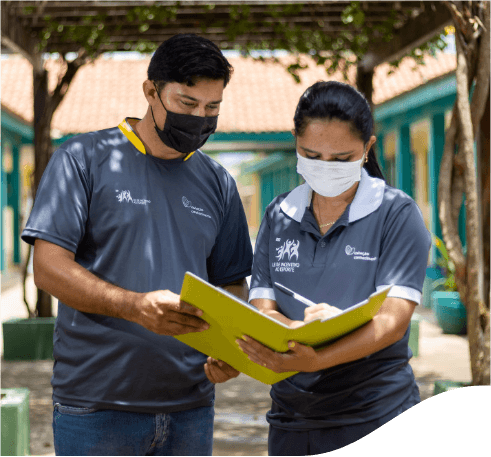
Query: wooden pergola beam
{"points": [[415, 32], [18, 39], [22, 22], [186, 3]]}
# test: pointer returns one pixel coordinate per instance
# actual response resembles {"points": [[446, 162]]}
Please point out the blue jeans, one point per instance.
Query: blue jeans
{"points": [[84, 431]]}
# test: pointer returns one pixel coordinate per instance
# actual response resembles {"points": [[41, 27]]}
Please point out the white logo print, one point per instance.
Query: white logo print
{"points": [[358, 255], [125, 196], [349, 250], [194, 209], [288, 250]]}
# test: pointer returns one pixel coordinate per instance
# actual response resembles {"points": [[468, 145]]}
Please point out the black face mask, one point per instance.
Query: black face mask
{"points": [[183, 132]]}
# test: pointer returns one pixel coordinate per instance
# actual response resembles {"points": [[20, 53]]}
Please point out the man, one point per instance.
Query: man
{"points": [[120, 215]]}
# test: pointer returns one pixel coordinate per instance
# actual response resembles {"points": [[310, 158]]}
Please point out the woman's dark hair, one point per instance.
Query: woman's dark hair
{"points": [[187, 57], [327, 100]]}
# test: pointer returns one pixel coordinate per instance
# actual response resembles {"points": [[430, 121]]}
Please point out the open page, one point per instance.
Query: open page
{"points": [[230, 318]]}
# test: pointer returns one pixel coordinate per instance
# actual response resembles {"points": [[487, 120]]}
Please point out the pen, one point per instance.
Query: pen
{"points": [[296, 296]]}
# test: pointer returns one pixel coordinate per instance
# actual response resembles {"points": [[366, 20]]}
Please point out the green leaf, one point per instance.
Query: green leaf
{"points": [[359, 18]]}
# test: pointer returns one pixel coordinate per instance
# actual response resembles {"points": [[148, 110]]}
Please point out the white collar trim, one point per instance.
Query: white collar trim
{"points": [[368, 198]]}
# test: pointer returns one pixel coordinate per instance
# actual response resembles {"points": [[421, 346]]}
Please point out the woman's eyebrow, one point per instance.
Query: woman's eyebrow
{"points": [[336, 154]]}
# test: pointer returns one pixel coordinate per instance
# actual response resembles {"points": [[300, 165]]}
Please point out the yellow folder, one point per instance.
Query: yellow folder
{"points": [[230, 318]]}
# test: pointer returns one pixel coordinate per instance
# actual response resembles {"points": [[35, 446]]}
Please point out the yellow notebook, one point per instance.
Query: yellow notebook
{"points": [[230, 318]]}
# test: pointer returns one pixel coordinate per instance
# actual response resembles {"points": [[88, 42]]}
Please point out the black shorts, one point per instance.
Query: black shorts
{"points": [[322, 440]]}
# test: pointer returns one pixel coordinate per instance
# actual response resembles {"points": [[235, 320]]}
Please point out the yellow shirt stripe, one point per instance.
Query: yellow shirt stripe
{"points": [[126, 128]]}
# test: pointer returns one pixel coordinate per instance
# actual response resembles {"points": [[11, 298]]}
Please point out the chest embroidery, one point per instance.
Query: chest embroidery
{"points": [[285, 255]]}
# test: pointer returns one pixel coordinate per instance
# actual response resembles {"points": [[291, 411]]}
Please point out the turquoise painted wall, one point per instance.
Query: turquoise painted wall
{"points": [[430, 101]]}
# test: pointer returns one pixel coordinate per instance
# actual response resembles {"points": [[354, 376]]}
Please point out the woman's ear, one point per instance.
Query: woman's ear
{"points": [[371, 141]]}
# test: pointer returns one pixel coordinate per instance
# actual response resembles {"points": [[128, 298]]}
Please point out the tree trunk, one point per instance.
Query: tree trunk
{"points": [[364, 82], [45, 106], [42, 153], [484, 167], [445, 203], [472, 297], [471, 21]]}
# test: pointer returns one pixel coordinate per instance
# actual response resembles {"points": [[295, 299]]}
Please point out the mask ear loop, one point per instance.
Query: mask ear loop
{"points": [[158, 95], [162, 103]]}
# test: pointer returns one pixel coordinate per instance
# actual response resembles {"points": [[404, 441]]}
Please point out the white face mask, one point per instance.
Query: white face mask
{"points": [[329, 179]]}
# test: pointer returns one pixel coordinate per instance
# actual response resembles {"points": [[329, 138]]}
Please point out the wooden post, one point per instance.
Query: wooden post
{"points": [[380, 153], [404, 162], [16, 198], [435, 153], [3, 205], [42, 152]]}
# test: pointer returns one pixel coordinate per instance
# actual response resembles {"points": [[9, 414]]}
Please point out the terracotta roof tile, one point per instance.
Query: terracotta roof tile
{"points": [[261, 97], [409, 76]]}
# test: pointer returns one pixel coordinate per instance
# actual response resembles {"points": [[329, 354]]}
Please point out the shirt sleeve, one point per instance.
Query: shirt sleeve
{"points": [[61, 205], [404, 253], [261, 284], [231, 256]]}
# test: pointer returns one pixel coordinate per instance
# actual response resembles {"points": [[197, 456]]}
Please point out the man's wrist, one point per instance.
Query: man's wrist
{"points": [[132, 306]]}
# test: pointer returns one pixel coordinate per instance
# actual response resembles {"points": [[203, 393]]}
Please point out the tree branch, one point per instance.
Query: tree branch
{"points": [[448, 224], [481, 90], [62, 87]]}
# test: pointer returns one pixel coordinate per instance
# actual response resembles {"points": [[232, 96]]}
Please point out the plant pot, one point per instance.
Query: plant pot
{"points": [[28, 339], [432, 273], [446, 385], [450, 312], [15, 421]]}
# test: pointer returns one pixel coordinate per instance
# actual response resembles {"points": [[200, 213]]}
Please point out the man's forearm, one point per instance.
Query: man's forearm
{"points": [[56, 272]]}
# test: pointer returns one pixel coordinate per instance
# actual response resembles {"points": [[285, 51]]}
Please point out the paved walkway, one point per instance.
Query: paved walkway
{"points": [[241, 404]]}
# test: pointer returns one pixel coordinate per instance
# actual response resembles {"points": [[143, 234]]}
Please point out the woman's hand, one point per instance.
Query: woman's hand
{"points": [[320, 311], [298, 358]]}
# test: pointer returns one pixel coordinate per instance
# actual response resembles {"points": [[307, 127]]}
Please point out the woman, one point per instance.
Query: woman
{"points": [[337, 239]]}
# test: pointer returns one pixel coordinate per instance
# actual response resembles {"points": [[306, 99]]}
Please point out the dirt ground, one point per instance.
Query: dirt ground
{"points": [[240, 408]]}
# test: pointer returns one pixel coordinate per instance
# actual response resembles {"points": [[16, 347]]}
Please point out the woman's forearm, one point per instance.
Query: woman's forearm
{"points": [[283, 319], [270, 308], [386, 328]]}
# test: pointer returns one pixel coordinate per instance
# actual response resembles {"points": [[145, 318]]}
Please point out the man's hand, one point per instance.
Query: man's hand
{"points": [[320, 311], [163, 312], [218, 371]]}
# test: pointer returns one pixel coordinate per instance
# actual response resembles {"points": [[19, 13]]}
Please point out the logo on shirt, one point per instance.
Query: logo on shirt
{"points": [[194, 209], [358, 255], [125, 196], [288, 251]]}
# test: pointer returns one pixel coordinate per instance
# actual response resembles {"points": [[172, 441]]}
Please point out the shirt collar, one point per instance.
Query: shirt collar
{"points": [[126, 126], [368, 198]]}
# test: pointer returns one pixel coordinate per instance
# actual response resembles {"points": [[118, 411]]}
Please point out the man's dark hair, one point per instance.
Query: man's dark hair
{"points": [[184, 58]]}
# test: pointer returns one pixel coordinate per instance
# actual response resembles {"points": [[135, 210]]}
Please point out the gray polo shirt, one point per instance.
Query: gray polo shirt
{"points": [[140, 223], [380, 240]]}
